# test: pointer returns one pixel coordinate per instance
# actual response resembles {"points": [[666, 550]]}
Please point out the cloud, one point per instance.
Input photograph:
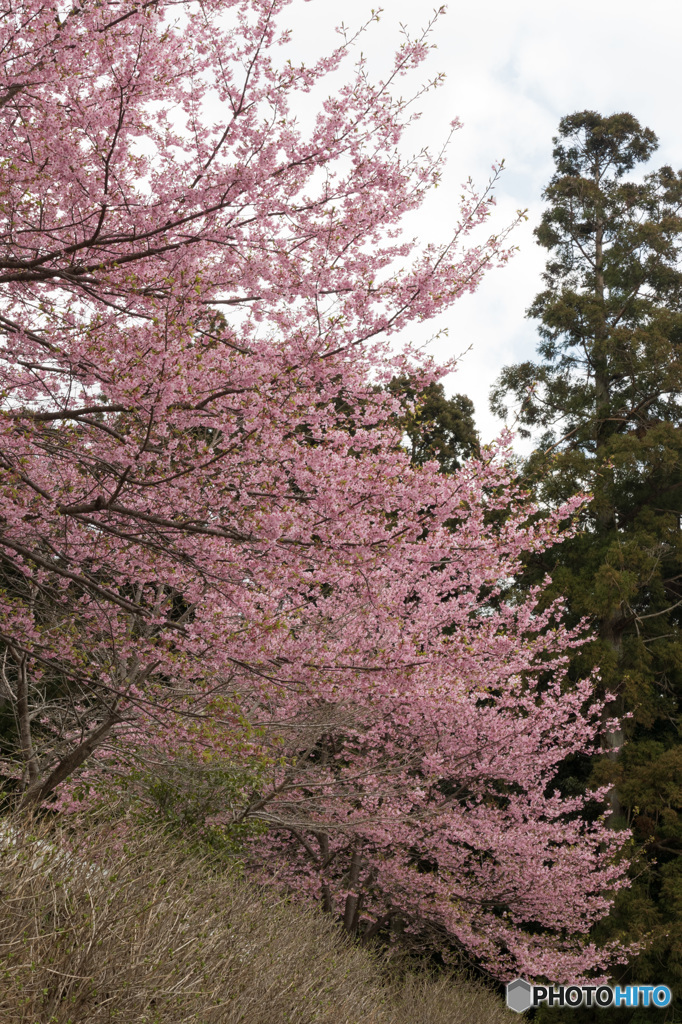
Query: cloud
{"points": [[513, 70]]}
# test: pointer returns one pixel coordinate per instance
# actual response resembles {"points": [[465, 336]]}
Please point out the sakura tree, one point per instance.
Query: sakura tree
{"points": [[206, 515]]}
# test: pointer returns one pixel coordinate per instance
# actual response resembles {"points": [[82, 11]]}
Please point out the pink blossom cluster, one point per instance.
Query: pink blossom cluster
{"points": [[211, 540]]}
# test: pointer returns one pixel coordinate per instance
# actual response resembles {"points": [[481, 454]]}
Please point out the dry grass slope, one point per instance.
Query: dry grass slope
{"points": [[152, 935]]}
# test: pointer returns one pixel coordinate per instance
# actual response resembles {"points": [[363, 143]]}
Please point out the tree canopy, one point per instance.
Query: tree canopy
{"points": [[206, 561]]}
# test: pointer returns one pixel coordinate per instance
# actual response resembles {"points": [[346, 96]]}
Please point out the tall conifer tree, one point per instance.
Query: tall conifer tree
{"points": [[604, 401]]}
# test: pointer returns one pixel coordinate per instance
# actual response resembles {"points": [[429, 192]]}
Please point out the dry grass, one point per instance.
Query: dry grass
{"points": [[151, 934]]}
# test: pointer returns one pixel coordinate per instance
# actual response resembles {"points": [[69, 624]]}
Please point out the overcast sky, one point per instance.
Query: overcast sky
{"points": [[514, 68]]}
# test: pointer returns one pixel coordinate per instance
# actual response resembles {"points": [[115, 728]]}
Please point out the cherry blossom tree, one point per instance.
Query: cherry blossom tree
{"points": [[208, 524]]}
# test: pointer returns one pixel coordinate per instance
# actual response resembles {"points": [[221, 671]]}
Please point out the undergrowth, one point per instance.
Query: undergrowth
{"points": [[122, 924]]}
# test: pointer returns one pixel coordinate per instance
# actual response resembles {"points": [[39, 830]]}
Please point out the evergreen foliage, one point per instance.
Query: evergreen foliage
{"points": [[437, 427]]}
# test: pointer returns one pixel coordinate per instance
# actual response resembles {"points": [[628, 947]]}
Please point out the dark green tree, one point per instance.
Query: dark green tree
{"points": [[435, 426], [604, 401]]}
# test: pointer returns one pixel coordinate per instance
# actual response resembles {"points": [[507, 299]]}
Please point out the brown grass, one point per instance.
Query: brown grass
{"points": [[152, 935]]}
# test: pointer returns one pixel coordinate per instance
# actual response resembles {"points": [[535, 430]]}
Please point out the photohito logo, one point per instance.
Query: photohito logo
{"points": [[521, 995]]}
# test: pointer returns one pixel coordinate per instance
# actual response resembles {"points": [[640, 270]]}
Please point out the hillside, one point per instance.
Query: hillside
{"points": [[107, 925]]}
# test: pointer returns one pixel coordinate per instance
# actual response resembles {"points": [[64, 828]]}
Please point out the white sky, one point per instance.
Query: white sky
{"points": [[514, 68]]}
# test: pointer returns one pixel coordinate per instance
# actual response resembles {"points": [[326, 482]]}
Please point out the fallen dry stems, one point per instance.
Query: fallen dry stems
{"points": [[100, 926]]}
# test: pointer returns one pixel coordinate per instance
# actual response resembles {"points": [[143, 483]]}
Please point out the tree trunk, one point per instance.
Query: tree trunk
{"points": [[40, 790], [24, 720], [353, 903], [606, 513]]}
